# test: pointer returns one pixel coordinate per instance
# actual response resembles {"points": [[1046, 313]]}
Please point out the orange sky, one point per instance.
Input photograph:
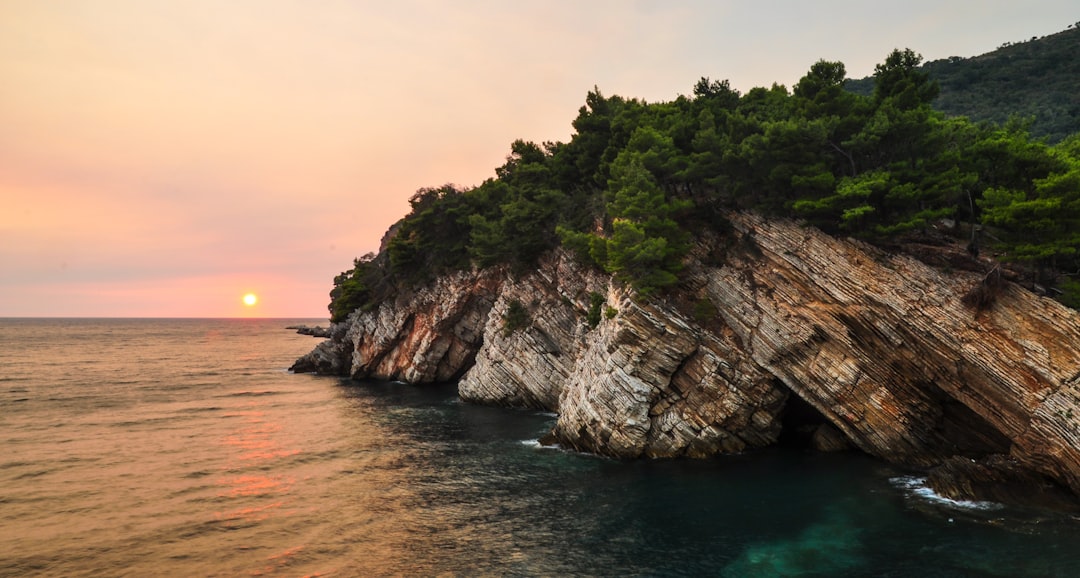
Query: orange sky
{"points": [[163, 158]]}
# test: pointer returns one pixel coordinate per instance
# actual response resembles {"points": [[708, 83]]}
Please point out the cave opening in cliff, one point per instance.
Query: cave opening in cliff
{"points": [[803, 426]]}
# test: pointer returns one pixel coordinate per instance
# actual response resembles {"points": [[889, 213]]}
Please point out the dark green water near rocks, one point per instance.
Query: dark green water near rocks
{"points": [[183, 447], [784, 512]]}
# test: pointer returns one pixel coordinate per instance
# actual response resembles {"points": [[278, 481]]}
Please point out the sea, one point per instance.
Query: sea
{"points": [[185, 447]]}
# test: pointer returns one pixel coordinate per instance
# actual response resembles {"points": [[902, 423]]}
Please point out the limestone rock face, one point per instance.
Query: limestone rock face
{"points": [[425, 335], [528, 366], [649, 382], [884, 348], [880, 345], [431, 334], [644, 382]]}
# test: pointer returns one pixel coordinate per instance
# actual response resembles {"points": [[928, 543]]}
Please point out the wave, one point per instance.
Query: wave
{"points": [[201, 409], [916, 486], [540, 447], [251, 393]]}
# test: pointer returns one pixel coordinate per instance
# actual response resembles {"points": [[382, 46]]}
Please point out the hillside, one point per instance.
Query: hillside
{"points": [[1034, 79]]}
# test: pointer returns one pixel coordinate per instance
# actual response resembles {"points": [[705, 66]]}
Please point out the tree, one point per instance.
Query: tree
{"points": [[705, 167], [821, 92], [647, 262], [523, 224], [716, 93], [788, 160], [433, 238], [820, 95], [592, 136], [355, 288], [1042, 228], [851, 208], [900, 80], [646, 246], [655, 151]]}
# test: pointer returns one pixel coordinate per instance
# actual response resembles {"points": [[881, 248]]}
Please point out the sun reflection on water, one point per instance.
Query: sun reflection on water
{"points": [[256, 485], [255, 444]]}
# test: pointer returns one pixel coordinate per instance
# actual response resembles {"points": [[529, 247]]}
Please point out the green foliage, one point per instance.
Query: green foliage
{"points": [[637, 180], [899, 80], [610, 312], [596, 301], [852, 204], [646, 245], [432, 239], [704, 310], [717, 92], [1034, 79], [355, 288], [522, 224], [1070, 293], [1043, 226], [578, 243], [642, 260], [516, 318]]}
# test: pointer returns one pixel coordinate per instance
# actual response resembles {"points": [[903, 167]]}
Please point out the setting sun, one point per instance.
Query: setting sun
{"points": [[250, 299]]}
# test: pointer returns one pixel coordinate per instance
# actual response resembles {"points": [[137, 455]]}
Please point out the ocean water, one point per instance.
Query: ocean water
{"points": [[185, 448]]}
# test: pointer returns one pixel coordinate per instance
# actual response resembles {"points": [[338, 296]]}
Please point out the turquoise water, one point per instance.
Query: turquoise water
{"points": [[184, 448]]}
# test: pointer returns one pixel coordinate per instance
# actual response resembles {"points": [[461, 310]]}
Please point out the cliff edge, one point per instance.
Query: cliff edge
{"points": [[777, 329]]}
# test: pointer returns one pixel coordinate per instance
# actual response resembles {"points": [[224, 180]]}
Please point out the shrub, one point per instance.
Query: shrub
{"points": [[704, 310], [516, 317], [596, 301]]}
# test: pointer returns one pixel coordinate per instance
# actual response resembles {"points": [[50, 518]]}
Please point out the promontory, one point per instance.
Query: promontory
{"points": [[727, 271]]}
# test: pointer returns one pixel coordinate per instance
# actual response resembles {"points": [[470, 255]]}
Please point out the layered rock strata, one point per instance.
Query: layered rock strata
{"points": [[880, 345]]}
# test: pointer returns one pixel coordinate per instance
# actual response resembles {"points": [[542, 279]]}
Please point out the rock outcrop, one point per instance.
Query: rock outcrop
{"points": [[317, 331], [878, 348]]}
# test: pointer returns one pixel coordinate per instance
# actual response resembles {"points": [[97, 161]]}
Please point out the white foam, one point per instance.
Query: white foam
{"points": [[537, 445], [917, 487]]}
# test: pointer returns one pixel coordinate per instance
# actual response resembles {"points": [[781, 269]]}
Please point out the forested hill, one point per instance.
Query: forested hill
{"points": [[638, 182], [1037, 79]]}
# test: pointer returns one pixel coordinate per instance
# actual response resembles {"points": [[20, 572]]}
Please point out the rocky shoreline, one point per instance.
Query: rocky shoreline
{"points": [[776, 329], [317, 331]]}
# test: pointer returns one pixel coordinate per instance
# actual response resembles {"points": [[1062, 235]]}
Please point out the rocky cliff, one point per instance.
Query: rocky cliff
{"points": [[777, 329]]}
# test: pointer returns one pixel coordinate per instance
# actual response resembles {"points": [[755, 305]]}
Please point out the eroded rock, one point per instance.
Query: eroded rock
{"points": [[880, 345]]}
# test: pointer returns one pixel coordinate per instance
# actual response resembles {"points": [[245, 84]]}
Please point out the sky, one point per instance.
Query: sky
{"points": [[165, 158]]}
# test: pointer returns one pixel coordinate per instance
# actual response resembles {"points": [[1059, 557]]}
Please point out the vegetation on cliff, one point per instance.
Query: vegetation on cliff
{"points": [[1033, 79], [637, 180]]}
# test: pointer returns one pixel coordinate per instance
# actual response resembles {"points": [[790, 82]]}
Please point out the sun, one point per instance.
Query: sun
{"points": [[250, 299]]}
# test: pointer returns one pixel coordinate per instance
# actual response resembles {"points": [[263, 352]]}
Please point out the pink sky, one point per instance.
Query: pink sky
{"points": [[163, 158]]}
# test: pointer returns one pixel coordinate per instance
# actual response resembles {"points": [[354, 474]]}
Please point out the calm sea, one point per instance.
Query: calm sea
{"points": [[185, 448]]}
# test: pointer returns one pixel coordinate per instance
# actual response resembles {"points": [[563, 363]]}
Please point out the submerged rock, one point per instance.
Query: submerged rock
{"points": [[879, 345], [317, 331]]}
